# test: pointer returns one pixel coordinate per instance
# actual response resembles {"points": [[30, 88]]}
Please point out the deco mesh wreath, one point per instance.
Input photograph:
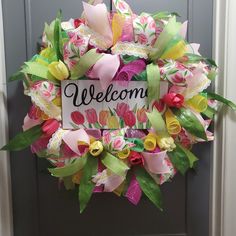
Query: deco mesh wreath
{"points": [[118, 100]]}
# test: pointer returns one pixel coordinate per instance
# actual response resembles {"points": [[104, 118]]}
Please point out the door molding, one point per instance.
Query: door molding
{"points": [[223, 193], [6, 222]]}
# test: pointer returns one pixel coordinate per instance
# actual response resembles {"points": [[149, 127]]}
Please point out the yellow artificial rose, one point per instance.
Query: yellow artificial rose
{"points": [[199, 103], [150, 142], [96, 148], [172, 124], [166, 143], [124, 153], [112, 122], [59, 70]]}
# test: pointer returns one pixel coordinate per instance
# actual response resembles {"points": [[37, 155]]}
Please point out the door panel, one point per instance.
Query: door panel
{"points": [[39, 207]]}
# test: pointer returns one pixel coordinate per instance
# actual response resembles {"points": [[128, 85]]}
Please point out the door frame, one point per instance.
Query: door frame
{"points": [[6, 216], [223, 170]]}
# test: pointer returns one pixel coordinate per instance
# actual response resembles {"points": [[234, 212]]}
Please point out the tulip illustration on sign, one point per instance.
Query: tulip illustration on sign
{"points": [[92, 118], [103, 117], [77, 117], [130, 119]]}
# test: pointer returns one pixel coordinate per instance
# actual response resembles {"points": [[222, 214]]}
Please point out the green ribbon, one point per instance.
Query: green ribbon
{"points": [[114, 164], [86, 185], [219, 98], [69, 169], [139, 146], [153, 79], [85, 63], [157, 122], [169, 32]]}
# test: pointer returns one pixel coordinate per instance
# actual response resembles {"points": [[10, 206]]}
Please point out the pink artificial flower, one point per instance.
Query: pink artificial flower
{"points": [[136, 158], [49, 127], [91, 116], [118, 143], [173, 100], [122, 109]]}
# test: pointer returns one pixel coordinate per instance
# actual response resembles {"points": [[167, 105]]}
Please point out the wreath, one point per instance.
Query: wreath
{"points": [[126, 148]]}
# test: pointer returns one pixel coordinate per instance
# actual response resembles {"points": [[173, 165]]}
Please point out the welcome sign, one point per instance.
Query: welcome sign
{"points": [[86, 105]]}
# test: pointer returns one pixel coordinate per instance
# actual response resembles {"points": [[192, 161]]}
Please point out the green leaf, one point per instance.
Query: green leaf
{"points": [[141, 77], [57, 38], [86, 185], [219, 98], [69, 169], [191, 157], [149, 187], [24, 139], [17, 76], [190, 122], [139, 146], [193, 58], [179, 159], [114, 164]]}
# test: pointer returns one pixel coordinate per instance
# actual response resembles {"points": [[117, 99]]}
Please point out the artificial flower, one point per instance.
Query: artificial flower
{"points": [[50, 126], [124, 153], [199, 103], [166, 143], [59, 70], [173, 100], [136, 158], [150, 142], [127, 72], [172, 124], [96, 148]]}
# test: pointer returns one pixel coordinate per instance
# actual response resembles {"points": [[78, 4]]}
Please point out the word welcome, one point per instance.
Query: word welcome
{"points": [[87, 95]]}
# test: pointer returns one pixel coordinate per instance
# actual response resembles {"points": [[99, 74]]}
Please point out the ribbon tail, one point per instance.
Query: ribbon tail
{"points": [[153, 78]]}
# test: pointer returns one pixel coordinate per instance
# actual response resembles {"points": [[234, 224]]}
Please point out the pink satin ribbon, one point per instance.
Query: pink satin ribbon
{"points": [[105, 69]]}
